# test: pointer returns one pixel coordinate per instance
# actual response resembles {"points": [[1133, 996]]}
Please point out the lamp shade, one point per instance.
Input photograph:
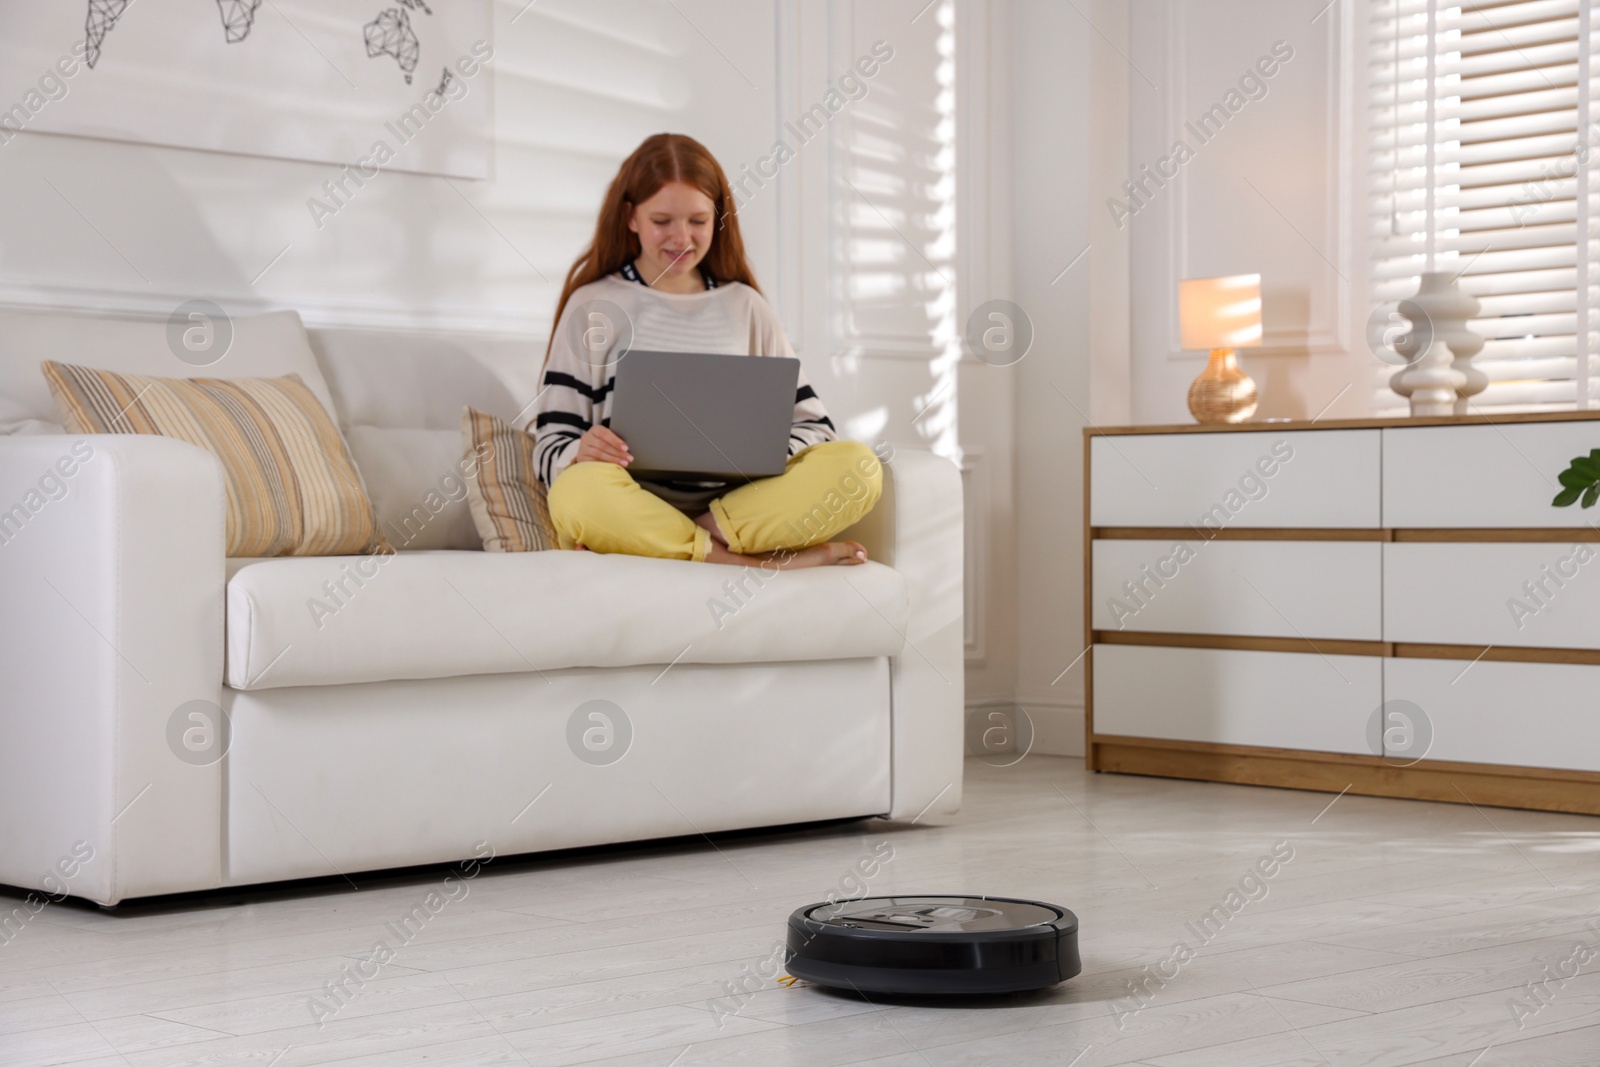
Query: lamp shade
{"points": [[1220, 312]]}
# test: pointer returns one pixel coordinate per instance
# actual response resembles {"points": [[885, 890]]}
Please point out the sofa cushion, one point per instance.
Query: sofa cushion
{"points": [[419, 379], [261, 346], [323, 621], [418, 483]]}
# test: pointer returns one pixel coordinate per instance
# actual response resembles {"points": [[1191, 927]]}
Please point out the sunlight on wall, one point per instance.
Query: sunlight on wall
{"points": [[942, 423], [899, 257]]}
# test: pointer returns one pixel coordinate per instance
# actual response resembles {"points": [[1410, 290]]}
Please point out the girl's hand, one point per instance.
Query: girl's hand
{"points": [[600, 445]]}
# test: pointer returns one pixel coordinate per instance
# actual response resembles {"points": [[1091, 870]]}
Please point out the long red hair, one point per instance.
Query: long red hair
{"points": [[662, 158]]}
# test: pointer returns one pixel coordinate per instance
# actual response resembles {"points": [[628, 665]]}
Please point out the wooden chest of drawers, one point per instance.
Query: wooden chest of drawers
{"points": [[1390, 607]]}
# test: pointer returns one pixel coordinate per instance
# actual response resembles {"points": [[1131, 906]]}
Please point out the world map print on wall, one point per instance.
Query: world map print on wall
{"points": [[237, 18], [298, 79]]}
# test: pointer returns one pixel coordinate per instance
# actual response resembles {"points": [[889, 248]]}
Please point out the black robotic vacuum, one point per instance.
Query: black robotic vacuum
{"points": [[933, 945]]}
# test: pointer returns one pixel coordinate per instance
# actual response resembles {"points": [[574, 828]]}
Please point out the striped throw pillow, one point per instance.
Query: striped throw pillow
{"points": [[506, 497], [293, 489]]}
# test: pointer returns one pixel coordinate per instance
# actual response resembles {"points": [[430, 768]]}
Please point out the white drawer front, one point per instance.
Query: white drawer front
{"points": [[1271, 699], [1530, 594], [1513, 714], [1329, 589], [1493, 476], [1309, 478]]}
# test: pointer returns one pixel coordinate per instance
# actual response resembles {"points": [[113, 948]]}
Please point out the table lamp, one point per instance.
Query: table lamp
{"points": [[1221, 314]]}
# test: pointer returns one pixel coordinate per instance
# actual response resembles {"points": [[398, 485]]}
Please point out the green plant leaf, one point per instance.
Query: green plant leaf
{"points": [[1573, 480], [1587, 467], [1566, 498], [1590, 495]]}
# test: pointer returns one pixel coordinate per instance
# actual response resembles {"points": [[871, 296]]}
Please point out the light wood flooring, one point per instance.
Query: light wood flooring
{"points": [[1399, 933]]}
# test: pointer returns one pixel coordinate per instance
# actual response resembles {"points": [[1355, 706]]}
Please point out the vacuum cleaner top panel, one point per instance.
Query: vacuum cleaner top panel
{"points": [[938, 914]]}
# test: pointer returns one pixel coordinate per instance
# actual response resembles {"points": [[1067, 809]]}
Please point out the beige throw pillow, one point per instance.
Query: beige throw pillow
{"points": [[293, 489], [506, 496]]}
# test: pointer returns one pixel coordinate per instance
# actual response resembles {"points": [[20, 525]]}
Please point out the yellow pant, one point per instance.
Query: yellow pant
{"points": [[823, 490]]}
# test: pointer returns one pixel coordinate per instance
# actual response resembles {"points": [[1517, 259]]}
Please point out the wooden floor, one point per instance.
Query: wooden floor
{"points": [[1400, 932]]}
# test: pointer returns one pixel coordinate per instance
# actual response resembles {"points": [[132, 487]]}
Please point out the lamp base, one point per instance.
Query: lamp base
{"points": [[1223, 392]]}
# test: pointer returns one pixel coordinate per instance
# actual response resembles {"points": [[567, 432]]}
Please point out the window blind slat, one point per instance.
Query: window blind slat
{"points": [[1527, 303], [1479, 18], [1527, 326], [1518, 358], [1483, 260], [1497, 130], [1515, 37]]}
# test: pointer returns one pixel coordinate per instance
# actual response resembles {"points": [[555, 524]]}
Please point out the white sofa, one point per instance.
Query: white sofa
{"points": [[431, 711]]}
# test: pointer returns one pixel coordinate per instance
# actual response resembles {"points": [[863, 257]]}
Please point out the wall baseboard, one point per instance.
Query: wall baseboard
{"points": [[1058, 731], [999, 728]]}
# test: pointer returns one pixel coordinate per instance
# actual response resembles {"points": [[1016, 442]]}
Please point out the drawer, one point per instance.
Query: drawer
{"points": [[1482, 476], [1311, 478], [1511, 714], [1528, 594], [1327, 589], [1273, 699]]}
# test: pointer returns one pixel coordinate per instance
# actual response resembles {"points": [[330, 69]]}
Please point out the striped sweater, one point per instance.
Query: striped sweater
{"points": [[615, 314]]}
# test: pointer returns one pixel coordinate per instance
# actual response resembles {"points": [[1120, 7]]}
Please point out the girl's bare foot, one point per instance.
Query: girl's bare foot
{"points": [[829, 554]]}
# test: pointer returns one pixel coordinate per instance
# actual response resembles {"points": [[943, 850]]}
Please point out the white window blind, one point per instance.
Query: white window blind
{"points": [[1484, 150]]}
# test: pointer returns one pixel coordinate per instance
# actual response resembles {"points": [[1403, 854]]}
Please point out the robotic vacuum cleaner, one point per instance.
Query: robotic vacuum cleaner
{"points": [[933, 944]]}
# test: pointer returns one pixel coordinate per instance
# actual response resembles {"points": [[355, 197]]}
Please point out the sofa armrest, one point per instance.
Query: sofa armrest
{"points": [[112, 574], [916, 528]]}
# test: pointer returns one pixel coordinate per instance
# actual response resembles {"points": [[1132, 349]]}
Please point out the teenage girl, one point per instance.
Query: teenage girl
{"points": [[667, 272]]}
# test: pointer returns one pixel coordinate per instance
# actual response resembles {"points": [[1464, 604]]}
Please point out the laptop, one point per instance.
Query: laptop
{"points": [[694, 416]]}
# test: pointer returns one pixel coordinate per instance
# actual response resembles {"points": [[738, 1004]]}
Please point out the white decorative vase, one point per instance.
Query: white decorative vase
{"points": [[1439, 348], [1432, 381]]}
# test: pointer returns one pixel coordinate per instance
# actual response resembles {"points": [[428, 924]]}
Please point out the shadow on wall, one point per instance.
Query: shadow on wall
{"points": [[1281, 381], [135, 227], [402, 379], [101, 216], [97, 220]]}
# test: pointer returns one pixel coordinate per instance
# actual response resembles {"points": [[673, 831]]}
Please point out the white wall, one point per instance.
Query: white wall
{"points": [[1099, 92], [1275, 191], [1069, 114], [1051, 65], [873, 241]]}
